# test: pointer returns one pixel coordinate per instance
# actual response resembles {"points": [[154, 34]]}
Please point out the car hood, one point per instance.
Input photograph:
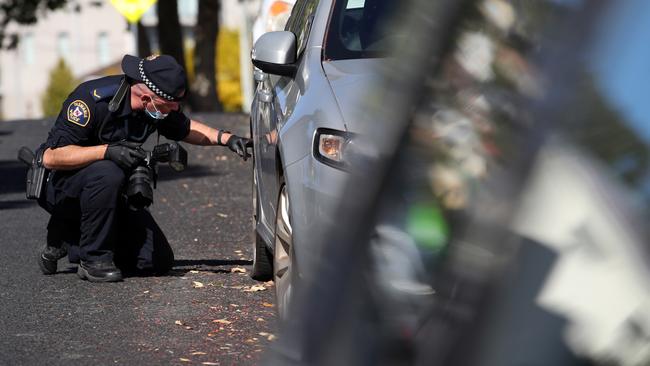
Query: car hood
{"points": [[350, 81]]}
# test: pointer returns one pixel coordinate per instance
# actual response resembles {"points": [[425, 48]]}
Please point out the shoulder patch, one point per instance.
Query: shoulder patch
{"points": [[79, 113]]}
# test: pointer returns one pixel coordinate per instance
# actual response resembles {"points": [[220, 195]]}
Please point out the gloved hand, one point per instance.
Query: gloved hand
{"points": [[127, 155], [240, 145]]}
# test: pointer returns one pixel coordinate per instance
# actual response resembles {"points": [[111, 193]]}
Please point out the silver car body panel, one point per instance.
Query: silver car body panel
{"points": [[348, 80], [285, 115]]}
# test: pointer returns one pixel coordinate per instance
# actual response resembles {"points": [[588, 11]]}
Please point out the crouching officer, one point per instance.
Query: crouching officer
{"points": [[91, 151]]}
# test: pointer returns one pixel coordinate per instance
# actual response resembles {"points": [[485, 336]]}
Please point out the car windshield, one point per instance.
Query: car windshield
{"points": [[357, 29]]}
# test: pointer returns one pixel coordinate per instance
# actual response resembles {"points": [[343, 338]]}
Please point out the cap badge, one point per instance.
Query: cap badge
{"points": [[152, 57]]}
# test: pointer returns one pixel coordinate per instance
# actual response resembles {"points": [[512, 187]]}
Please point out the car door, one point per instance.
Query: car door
{"points": [[278, 96]]}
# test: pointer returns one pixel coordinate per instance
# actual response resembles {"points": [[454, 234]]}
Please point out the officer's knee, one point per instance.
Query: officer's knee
{"points": [[107, 173]]}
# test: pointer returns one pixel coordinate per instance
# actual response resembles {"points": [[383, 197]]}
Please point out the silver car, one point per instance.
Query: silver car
{"points": [[302, 121]]}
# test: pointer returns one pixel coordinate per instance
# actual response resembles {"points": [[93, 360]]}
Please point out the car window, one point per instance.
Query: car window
{"points": [[294, 15], [300, 22], [357, 29]]}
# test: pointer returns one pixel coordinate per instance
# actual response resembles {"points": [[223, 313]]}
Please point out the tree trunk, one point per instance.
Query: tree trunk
{"points": [[204, 92], [144, 47], [170, 34]]}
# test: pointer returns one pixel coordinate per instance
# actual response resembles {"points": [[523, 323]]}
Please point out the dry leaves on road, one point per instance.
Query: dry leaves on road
{"points": [[178, 322], [238, 270], [197, 284], [255, 288], [222, 321], [268, 336]]}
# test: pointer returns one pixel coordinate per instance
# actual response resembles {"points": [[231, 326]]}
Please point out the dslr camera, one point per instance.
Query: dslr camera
{"points": [[142, 181]]}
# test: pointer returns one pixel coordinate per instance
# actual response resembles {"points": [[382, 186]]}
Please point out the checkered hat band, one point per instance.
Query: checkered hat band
{"points": [[151, 85]]}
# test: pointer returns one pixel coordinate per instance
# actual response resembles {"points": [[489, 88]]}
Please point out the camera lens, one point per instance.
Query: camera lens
{"points": [[140, 187]]}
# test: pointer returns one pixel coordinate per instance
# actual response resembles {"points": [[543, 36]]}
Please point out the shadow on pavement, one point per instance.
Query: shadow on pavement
{"points": [[182, 266], [166, 173], [13, 204], [13, 175]]}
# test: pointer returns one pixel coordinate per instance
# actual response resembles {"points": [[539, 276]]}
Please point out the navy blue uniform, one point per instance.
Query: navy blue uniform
{"points": [[88, 209]]}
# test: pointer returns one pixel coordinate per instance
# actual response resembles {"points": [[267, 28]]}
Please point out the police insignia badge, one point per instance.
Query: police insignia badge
{"points": [[151, 57], [78, 113]]}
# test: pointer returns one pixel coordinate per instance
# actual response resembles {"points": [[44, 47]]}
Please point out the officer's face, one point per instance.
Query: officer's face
{"points": [[164, 106]]}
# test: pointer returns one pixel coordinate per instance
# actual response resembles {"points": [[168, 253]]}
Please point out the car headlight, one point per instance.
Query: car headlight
{"points": [[331, 147]]}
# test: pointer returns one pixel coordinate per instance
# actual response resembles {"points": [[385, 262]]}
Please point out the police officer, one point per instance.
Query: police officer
{"points": [[91, 150]]}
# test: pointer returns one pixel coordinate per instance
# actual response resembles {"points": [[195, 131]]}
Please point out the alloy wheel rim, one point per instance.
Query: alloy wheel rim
{"points": [[256, 213], [282, 261]]}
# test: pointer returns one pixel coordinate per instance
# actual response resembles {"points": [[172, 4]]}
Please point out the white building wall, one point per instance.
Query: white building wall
{"points": [[22, 83]]}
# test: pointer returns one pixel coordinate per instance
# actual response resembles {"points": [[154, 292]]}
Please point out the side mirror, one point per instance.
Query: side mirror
{"points": [[275, 53]]}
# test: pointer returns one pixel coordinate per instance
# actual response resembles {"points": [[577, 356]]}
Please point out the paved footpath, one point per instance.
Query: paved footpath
{"points": [[205, 312]]}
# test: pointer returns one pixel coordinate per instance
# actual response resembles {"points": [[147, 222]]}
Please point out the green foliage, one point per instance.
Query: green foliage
{"points": [[227, 70], [61, 83], [23, 12]]}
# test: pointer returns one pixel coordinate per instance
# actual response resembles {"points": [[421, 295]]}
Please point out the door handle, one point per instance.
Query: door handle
{"points": [[259, 75], [264, 96]]}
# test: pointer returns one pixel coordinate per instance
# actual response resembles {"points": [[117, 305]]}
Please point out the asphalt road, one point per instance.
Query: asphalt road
{"points": [[204, 312]]}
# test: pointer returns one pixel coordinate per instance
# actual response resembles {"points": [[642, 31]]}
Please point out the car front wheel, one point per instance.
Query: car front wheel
{"points": [[262, 260], [283, 263]]}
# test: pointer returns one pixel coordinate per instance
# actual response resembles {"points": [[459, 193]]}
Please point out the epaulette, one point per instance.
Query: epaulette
{"points": [[104, 92]]}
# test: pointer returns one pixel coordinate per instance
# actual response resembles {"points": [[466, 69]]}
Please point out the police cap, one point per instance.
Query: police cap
{"points": [[162, 74]]}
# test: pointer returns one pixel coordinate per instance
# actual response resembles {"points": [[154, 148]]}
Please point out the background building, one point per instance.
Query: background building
{"points": [[89, 40], [86, 40]]}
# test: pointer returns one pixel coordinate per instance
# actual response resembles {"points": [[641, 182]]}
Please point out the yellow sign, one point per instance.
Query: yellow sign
{"points": [[132, 9]]}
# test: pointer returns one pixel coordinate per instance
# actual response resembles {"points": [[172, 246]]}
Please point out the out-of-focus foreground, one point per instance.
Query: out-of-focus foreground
{"points": [[496, 211]]}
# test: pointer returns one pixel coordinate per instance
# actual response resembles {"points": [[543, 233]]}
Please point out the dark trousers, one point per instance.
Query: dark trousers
{"points": [[89, 215]]}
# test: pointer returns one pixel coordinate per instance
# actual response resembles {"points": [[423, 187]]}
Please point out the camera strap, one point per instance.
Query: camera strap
{"points": [[114, 105]]}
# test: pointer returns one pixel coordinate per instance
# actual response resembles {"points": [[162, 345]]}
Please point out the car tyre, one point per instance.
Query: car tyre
{"points": [[262, 269]]}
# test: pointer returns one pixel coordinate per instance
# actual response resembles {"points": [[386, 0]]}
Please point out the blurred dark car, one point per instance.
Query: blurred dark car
{"points": [[505, 222]]}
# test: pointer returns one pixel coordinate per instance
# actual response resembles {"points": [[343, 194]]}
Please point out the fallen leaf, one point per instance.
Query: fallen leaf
{"points": [[178, 322], [194, 271], [269, 283], [267, 305], [255, 288], [146, 292], [185, 186], [234, 305], [197, 284], [221, 214], [185, 360], [209, 363], [271, 337], [238, 270], [260, 320], [221, 321], [188, 327], [238, 251], [198, 353]]}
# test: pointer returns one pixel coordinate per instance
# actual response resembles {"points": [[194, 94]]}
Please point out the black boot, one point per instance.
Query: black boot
{"points": [[99, 272], [48, 258]]}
